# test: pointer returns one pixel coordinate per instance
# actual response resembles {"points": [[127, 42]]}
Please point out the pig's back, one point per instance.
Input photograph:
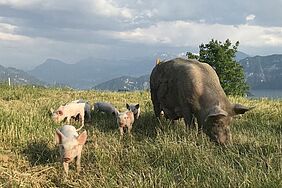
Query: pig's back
{"points": [[107, 107], [69, 131]]}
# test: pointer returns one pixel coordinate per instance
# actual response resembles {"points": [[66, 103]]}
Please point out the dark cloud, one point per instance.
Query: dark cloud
{"points": [[219, 11], [40, 20]]}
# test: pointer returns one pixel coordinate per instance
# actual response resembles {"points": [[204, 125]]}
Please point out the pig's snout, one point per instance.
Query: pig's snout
{"points": [[66, 159]]}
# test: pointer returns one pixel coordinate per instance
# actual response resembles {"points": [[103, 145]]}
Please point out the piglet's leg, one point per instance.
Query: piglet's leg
{"points": [[66, 167], [82, 118], [68, 120], [78, 165], [121, 132], [129, 129]]}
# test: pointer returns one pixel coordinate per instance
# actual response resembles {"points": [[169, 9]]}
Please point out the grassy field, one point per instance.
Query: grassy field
{"points": [[160, 154]]}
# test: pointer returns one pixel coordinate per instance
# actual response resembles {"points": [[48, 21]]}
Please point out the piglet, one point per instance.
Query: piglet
{"points": [[105, 107], [68, 111], [87, 108], [70, 145], [135, 108], [125, 120]]}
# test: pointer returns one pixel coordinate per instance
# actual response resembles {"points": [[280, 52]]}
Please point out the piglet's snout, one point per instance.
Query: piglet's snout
{"points": [[66, 159]]}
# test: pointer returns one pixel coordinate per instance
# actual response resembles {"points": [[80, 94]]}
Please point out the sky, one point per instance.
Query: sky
{"points": [[32, 31]]}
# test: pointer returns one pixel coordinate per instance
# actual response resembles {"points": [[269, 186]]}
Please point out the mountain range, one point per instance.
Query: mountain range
{"points": [[18, 76], [125, 83], [91, 71], [262, 72]]}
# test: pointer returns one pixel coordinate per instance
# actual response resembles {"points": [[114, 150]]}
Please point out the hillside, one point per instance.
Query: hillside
{"points": [[241, 55], [159, 154], [125, 83], [263, 72], [89, 72], [18, 76]]}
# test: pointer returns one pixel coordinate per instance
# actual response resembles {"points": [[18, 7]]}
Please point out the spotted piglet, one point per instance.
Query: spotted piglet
{"points": [[125, 120]]}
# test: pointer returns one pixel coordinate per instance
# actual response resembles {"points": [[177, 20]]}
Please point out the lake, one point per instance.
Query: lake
{"points": [[271, 94]]}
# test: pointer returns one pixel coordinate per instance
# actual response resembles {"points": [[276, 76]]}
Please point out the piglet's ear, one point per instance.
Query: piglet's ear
{"points": [[137, 106], [116, 113], [58, 137], [51, 110], [82, 138], [127, 106]]}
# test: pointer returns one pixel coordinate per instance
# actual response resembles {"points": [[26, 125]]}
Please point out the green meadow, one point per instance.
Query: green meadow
{"points": [[160, 154]]}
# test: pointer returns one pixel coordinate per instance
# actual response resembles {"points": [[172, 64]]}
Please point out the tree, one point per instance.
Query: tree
{"points": [[221, 56]]}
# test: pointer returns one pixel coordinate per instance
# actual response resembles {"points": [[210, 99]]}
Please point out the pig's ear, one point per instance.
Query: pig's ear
{"points": [[82, 138], [127, 106], [137, 106], [116, 113], [58, 137], [240, 109], [216, 112], [51, 110]]}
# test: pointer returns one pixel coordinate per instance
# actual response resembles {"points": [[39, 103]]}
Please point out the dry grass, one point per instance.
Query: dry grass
{"points": [[159, 154]]}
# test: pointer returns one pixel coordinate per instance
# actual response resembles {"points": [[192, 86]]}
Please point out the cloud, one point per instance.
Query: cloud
{"points": [[8, 28], [109, 8], [187, 33], [18, 3], [33, 30], [7, 33], [250, 17], [11, 37]]}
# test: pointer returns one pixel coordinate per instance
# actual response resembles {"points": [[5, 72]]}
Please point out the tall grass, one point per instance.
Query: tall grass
{"points": [[159, 154]]}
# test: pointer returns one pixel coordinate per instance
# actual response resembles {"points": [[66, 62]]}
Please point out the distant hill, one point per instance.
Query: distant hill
{"points": [[91, 71], [125, 83], [241, 55], [18, 76], [263, 72]]}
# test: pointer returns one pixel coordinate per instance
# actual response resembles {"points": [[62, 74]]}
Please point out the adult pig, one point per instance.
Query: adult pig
{"points": [[188, 88]]}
